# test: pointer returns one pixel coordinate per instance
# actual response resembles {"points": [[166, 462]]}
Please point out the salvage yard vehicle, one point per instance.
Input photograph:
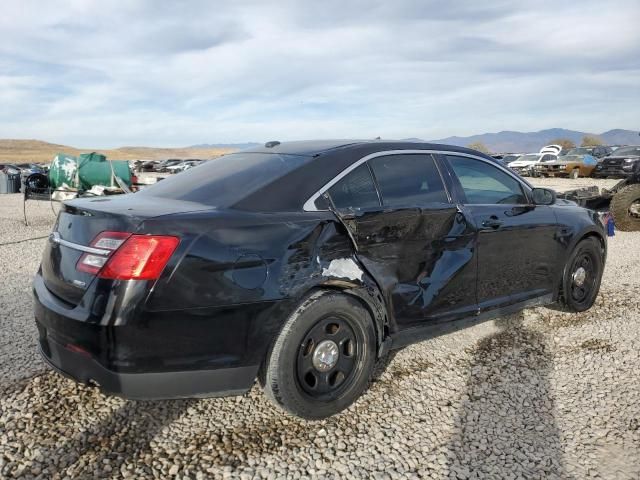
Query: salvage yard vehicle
{"points": [[303, 265], [525, 164], [599, 151], [619, 164], [183, 165], [164, 165], [569, 165]]}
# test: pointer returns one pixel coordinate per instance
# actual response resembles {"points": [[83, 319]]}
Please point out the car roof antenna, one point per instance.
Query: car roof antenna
{"points": [[273, 143]]}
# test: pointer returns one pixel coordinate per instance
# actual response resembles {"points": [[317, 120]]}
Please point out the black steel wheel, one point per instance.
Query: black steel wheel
{"points": [[327, 357], [323, 358], [582, 275]]}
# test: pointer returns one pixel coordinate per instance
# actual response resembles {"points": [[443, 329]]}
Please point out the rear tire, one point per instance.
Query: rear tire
{"points": [[622, 203], [582, 275], [323, 358], [575, 173]]}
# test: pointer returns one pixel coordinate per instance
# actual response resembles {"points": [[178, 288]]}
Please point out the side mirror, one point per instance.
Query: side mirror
{"points": [[543, 196]]}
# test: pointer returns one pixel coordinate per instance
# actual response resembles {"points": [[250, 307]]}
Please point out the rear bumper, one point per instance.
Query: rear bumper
{"points": [[143, 358], [146, 386]]}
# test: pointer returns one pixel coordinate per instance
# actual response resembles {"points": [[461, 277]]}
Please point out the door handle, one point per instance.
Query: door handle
{"points": [[492, 222]]}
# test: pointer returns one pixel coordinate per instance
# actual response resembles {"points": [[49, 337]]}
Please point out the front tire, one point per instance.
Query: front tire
{"points": [[582, 275], [323, 358], [625, 208], [575, 173]]}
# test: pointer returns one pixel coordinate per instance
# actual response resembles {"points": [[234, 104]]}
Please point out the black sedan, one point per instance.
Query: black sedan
{"points": [[302, 265]]}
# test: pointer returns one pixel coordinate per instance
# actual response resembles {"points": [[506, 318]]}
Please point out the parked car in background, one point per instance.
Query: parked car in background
{"points": [[570, 165], [599, 151], [525, 164], [184, 165], [619, 164], [30, 168], [10, 168], [164, 165], [175, 167], [191, 163], [507, 158], [148, 166], [301, 264]]}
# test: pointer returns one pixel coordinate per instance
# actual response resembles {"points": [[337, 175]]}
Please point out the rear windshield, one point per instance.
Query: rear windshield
{"points": [[226, 180]]}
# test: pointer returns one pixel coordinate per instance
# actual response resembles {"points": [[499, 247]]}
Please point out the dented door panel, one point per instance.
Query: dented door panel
{"points": [[422, 258]]}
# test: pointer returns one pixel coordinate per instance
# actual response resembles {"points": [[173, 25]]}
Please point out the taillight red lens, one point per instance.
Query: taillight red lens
{"points": [[107, 241], [140, 257], [127, 256]]}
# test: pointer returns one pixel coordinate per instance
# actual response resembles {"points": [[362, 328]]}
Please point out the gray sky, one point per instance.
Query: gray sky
{"points": [[173, 73]]}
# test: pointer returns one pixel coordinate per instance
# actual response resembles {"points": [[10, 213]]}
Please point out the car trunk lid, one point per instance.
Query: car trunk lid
{"points": [[79, 223]]}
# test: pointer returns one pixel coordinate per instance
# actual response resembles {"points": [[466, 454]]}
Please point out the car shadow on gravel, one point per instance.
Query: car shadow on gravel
{"points": [[506, 420]]}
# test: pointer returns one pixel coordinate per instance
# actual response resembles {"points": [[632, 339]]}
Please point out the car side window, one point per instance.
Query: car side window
{"points": [[355, 190], [408, 180], [485, 184]]}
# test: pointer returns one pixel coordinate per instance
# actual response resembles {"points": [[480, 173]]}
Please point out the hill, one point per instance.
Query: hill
{"points": [[27, 151], [510, 141]]}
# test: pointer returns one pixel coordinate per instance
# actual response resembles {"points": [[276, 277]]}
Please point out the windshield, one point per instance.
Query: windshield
{"points": [[226, 180], [627, 151], [531, 157]]}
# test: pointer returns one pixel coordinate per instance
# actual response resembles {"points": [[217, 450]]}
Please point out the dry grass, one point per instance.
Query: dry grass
{"points": [[28, 151]]}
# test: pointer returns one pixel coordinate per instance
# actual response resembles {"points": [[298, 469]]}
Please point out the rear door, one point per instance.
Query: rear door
{"points": [[410, 236], [517, 247]]}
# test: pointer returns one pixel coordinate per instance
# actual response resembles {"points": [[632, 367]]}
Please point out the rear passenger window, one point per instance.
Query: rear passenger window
{"points": [[406, 180], [485, 184], [355, 191]]}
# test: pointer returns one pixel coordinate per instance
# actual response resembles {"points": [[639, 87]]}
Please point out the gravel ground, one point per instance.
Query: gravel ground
{"points": [[542, 394]]}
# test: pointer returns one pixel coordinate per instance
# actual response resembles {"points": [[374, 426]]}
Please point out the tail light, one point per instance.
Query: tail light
{"points": [[129, 257]]}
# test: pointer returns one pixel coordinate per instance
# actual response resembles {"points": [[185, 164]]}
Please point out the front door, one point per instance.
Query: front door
{"points": [[517, 247]]}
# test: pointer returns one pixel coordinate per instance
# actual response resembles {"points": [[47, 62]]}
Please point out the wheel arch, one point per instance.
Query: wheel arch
{"points": [[367, 294]]}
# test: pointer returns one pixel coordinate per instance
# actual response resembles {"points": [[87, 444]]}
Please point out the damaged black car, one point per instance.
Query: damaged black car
{"points": [[301, 265]]}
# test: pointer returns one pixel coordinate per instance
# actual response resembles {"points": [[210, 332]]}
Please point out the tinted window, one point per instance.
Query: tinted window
{"points": [[406, 180], [485, 184], [225, 181], [355, 191]]}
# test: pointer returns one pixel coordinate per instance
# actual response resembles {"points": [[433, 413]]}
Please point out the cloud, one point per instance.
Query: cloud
{"points": [[184, 72]]}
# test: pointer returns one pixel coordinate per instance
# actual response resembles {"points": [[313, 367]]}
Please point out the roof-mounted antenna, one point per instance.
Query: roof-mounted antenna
{"points": [[273, 143]]}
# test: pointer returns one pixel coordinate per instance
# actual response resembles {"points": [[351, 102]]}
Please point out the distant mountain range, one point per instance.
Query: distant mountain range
{"points": [[524, 142], [506, 141]]}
